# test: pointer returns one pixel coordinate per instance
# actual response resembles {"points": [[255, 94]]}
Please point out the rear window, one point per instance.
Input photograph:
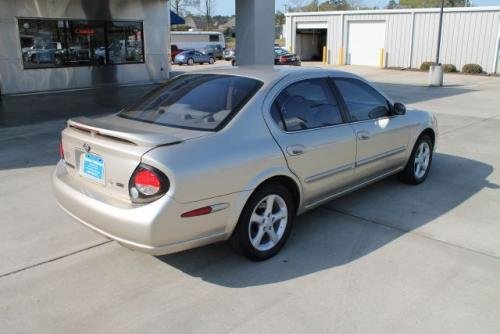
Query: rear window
{"points": [[195, 101]]}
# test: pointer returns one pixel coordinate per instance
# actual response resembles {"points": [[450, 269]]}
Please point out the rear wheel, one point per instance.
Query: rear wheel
{"points": [[211, 60], [265, 223], [190, 61], [419, 164]]}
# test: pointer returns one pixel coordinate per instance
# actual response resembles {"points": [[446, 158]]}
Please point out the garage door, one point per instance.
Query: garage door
{"points": [[364, 42]]}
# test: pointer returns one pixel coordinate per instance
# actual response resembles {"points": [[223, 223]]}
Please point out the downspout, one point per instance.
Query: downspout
{"points": [[342, 48], [412, 37], [497, 46]]}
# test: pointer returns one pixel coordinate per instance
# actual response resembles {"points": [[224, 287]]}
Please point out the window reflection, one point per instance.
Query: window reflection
{"points": [[60, 43]]}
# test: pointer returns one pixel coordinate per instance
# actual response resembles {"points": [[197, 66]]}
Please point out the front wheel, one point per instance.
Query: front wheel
{"points": [[211, 61], [419, 164], [265, 223], [190, 61]]}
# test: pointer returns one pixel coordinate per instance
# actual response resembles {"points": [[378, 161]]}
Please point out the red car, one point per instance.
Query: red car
{"points": [[174, 51]]}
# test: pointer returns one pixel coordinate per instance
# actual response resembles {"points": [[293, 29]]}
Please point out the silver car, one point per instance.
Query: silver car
{"points": [[235, 154]]}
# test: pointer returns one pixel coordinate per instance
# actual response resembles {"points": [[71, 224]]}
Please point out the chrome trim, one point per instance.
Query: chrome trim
{"points": [[357, 186], [328, 173], [380, 156], [219, 207]]}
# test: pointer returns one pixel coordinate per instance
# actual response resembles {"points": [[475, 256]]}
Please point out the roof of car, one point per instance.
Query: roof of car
{"points": [[268, 74]]}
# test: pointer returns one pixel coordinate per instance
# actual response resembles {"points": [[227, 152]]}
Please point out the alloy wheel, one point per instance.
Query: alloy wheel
{"points": [[422, 158], [268, 222]]}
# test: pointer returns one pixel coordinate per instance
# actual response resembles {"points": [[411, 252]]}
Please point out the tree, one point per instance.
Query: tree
{"points": [[279, 18], [208, 7], [432, 3], [391, 4], [180, 5]]}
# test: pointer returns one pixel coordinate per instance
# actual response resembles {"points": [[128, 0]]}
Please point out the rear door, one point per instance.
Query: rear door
{"points": [[318, 145], [381, 138]]}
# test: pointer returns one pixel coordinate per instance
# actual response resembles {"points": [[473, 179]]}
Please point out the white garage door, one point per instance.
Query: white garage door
{"points": [[364, 42]]}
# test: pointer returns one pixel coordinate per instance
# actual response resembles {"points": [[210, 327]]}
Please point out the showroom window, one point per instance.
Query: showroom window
{"points": [[64, 43]]}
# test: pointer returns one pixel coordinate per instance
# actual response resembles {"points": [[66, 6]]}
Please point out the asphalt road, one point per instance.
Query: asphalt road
{"points": [[389, 258]]}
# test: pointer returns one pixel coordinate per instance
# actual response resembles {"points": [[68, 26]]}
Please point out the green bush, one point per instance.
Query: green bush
{"points": [[426, 65], [449, 68], [472, 69]]}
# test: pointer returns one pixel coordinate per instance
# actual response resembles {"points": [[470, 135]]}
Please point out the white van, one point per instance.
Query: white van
{"points": [[198, 40]]}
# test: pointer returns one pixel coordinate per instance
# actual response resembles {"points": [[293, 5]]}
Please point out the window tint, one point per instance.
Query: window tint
{"points": [[363, 102], [194, 101], [306, 104]]}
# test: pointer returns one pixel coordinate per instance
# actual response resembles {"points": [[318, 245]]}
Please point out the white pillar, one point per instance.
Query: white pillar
{"points": [[254, 32]]}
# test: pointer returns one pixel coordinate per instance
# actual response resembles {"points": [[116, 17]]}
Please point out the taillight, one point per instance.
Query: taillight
{"points": [[61, 150], [147, 184]]}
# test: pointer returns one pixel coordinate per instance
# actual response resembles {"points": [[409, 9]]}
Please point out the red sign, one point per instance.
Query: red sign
{"points": [[85, 31]]}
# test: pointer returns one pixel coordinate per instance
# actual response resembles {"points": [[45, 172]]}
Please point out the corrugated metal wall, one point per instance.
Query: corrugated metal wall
{"points": [[469, 35]]}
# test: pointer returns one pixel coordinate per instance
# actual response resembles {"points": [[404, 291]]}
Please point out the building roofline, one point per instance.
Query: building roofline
{"points": [[397, 11]]}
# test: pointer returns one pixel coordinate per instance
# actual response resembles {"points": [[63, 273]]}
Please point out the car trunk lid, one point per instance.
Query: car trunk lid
{"points": [[103, 153]]}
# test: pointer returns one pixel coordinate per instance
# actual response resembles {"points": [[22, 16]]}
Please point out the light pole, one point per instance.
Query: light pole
{"points": [[436, 70]]}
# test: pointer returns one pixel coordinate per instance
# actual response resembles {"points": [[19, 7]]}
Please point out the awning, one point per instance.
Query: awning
{"points": [[176, 19]]}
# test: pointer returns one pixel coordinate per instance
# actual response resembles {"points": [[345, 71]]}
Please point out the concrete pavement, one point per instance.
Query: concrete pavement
{"points": [[389, 258]]}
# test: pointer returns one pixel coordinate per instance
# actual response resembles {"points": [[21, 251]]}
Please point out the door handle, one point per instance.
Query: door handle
{"points": [[296, 149], [363, 135]]}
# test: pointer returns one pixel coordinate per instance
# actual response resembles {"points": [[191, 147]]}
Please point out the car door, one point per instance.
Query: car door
{"points": [[318, 145], [381, 138]]}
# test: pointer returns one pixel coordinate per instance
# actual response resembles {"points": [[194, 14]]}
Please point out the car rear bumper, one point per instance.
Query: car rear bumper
{"points": [[155, 228]]}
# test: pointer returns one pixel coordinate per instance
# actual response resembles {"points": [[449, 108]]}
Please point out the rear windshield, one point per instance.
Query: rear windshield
{"points": [[194, 101]]}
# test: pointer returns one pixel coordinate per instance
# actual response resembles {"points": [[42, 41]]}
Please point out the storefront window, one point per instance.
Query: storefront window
{"points": [[125, 42], [62, 43]]}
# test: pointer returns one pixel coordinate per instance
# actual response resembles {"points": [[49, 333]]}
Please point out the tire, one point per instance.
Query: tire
{"points": [[190, 61], [261, 239], [58, 61], [419, 164], [211, 61]]}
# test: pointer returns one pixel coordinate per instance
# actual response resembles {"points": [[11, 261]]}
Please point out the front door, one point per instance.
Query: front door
{"points": [[381, 139], [318, 145]]}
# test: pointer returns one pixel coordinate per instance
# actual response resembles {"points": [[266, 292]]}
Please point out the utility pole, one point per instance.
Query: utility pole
{"points": [[440, 31], [436, 70]]}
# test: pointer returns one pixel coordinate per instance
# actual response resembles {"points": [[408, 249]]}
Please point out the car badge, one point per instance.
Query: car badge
{"points": [[86, 147]]}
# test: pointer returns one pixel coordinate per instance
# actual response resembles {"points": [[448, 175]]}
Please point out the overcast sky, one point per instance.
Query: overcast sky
{"points": [[226, 7]]}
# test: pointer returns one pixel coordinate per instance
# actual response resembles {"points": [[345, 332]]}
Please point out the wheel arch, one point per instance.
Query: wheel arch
{"points": [[289, 181], [429, 132]]}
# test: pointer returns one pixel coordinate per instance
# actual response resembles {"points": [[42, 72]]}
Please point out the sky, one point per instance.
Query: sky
{"points": [[226, 7]]}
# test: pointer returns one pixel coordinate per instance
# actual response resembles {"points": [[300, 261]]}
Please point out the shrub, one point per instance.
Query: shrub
{"points": [[426, 65], [449, 68], [472, 69]]}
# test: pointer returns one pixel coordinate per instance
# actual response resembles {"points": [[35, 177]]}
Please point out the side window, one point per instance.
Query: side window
{"points": [[363, 102], [306, 104]]}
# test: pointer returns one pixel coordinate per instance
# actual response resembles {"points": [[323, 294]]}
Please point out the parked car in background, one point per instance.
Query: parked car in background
{"points": [[190, 57], [281, 57], [174, 51], [215, 50], [284, 57], [229, 54], [45, 52], [235, 154]]}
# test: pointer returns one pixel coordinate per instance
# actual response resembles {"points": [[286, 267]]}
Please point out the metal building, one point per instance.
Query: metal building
{"points": [[397, 38]]}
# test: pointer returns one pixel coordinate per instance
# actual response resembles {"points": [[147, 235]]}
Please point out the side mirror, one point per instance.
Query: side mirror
{"points": [[399, 109]]}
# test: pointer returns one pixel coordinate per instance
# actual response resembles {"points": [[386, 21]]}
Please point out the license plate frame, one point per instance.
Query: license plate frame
{"points": [[92, 168]]}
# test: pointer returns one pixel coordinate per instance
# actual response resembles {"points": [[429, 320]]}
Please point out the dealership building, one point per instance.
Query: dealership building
{"points": [[402, 38], [66, 44]]}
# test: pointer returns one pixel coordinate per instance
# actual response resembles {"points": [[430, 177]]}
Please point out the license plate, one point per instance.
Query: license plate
{"points": [[93, 167]]}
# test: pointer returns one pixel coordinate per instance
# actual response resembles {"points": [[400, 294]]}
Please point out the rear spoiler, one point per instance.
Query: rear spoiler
{"points": [[121, 133]]}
